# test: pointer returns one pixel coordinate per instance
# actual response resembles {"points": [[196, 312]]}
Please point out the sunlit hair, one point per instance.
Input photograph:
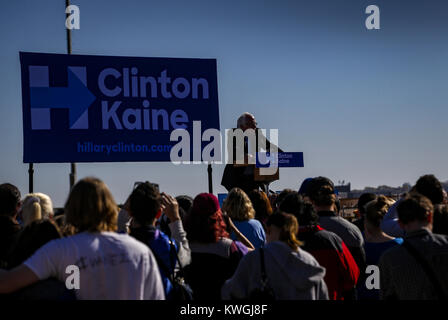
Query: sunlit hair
{"points": [[289, 227], [261, 204], [205, 223], [238, 205], [375, 210], [36, 206], [91, 207]]}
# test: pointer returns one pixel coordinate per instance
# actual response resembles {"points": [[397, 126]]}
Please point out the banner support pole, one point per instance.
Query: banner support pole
{"points": [[210, 178], [69, 51], [30, 177]]}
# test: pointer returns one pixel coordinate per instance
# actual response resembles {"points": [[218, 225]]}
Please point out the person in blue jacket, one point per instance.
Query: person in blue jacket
{"points": [[145, 206]]}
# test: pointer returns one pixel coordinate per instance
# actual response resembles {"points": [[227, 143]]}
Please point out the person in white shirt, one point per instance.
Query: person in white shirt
{"points": [[111, 266]]}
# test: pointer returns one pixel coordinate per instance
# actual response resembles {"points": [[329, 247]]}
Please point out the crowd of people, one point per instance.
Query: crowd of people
{"points": [[288, 246]]}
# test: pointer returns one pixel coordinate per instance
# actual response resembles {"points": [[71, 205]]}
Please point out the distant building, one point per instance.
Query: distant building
{"points": [[343, 191], [392, 192]]}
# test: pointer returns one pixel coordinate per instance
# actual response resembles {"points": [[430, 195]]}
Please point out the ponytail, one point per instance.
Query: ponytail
{"points": [[376, 210], [31, 211]]}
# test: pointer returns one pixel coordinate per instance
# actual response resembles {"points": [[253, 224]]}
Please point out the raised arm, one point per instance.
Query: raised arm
{"points": [[171, 209], [232, 228]]}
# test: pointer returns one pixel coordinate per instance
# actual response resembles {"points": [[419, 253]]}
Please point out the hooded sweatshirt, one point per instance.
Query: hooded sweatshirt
{"points": [[292, 275]]}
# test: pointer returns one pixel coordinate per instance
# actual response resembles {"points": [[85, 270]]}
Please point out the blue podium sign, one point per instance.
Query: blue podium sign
{"points": [[80, 108], [283, 160]]}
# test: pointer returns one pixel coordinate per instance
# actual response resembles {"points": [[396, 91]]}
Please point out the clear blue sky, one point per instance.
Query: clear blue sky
{"points": [[369, 107]]}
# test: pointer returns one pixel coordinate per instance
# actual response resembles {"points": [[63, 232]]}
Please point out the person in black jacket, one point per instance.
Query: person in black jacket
{"points": [[330, 251], [321, 193], [243, 176]]}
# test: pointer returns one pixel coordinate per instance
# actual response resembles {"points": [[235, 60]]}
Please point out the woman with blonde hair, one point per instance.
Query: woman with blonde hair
{"points": [[109, 265], [375, 210], [36, 206], [280, 270], [376, 241], [239, 208]]}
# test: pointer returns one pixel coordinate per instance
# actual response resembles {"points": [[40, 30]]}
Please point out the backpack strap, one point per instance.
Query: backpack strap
{"points": [[427, 269]]}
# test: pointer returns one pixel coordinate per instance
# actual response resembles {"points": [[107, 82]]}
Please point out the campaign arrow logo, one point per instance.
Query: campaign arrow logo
{"points": [[76, 97]]}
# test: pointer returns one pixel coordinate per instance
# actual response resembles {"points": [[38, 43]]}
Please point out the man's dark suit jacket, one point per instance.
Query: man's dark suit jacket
{"points": [[242, 176]]}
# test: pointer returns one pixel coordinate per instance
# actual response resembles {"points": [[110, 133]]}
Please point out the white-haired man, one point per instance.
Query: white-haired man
{"points": [[243, 176]]}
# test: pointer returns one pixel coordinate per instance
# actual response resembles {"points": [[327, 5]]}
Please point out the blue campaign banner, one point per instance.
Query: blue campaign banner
{"points": [[284, 160], [83, 108]]}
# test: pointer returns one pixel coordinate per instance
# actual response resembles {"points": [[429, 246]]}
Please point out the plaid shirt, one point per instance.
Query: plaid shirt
{"points": [[402, 277]]}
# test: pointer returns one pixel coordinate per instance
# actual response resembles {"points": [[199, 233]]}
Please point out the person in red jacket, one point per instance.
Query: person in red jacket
{"points": [[330, 251]]}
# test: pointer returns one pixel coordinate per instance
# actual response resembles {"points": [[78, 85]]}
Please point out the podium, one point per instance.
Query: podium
{"points": [[265, 177], [262, 178], [235, 174]]}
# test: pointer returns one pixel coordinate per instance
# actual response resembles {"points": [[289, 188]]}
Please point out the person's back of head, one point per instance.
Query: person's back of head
{"points": [[261, 204], [32, 237], [205, 222], [283, 227], [415, 208], [9, 200], [375, 210], [304, 186], [238, 205], [145, 203], [36, 206], [321, 192], [91, 207], [429, 186], [363, 200], [185, 202], [282, 196], [304, 211]]}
